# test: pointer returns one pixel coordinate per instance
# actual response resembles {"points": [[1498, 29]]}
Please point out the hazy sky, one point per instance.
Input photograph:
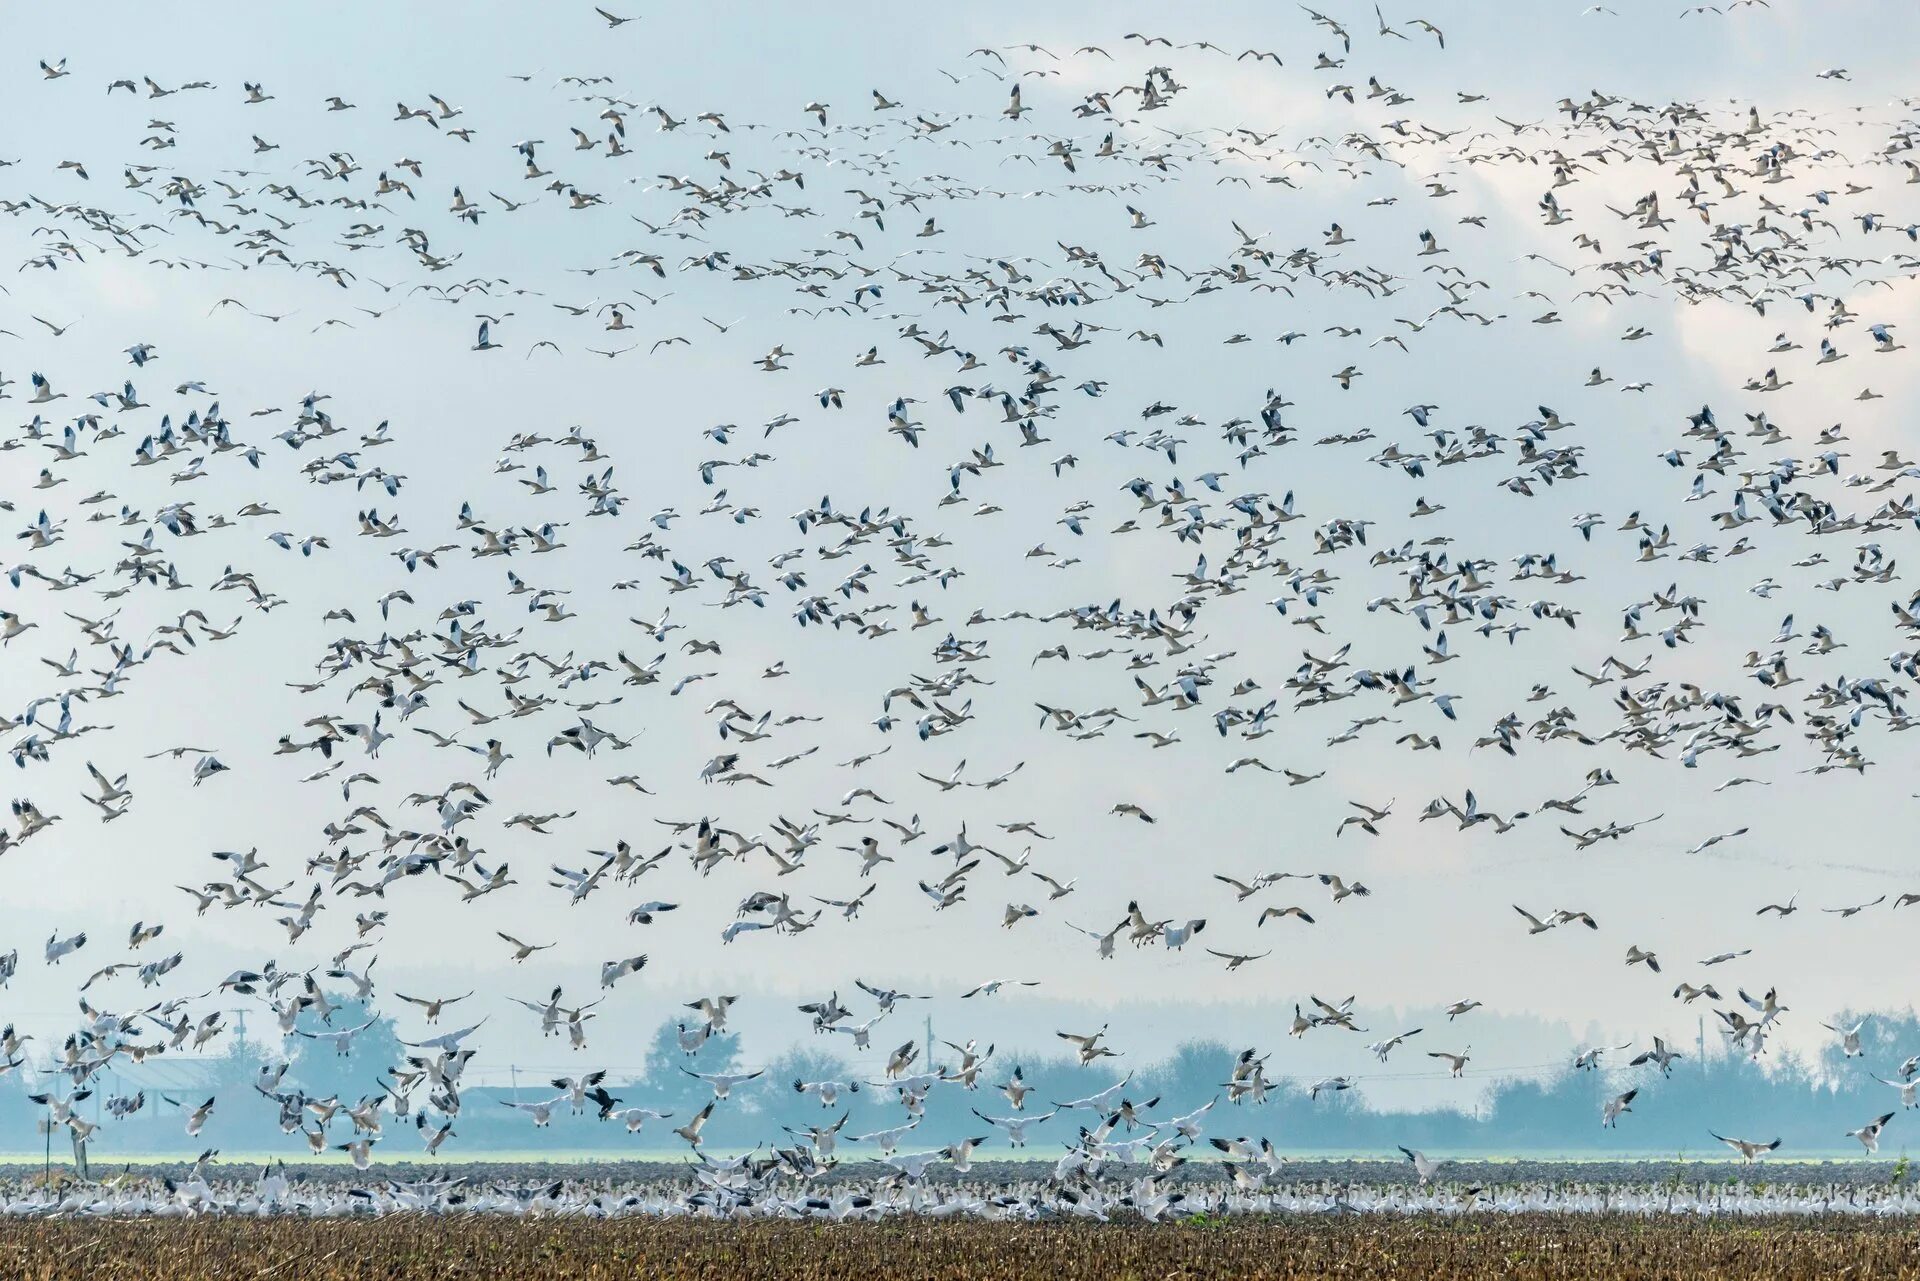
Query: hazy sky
{"points": [[1439, 925]]}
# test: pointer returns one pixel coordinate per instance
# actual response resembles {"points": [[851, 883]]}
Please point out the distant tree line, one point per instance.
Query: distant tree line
{"points": [[1807, 1103]]}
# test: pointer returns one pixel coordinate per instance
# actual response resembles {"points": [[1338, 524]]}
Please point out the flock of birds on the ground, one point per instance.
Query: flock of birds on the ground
{"points": [[738, 1190], [986, 380]]}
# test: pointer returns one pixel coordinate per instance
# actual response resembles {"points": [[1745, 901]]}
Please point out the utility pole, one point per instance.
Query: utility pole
{"points": [[514, 1070], [1702, 1045]]}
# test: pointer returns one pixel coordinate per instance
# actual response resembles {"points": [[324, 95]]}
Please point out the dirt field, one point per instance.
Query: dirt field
{"points": [[404, 1248]]}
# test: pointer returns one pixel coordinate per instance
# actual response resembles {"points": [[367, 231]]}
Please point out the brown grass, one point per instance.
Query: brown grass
{"points": [[401, 1248]]}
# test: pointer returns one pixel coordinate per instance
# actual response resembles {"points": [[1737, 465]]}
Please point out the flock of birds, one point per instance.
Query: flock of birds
{"points": [[994, 470], [729, 1191]]}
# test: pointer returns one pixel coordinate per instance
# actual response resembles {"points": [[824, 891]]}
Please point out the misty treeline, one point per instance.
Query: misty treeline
{"points": [[1808, 1103]]}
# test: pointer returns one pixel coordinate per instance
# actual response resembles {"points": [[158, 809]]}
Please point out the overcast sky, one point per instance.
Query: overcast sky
{"points": [[1439, 925]]}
